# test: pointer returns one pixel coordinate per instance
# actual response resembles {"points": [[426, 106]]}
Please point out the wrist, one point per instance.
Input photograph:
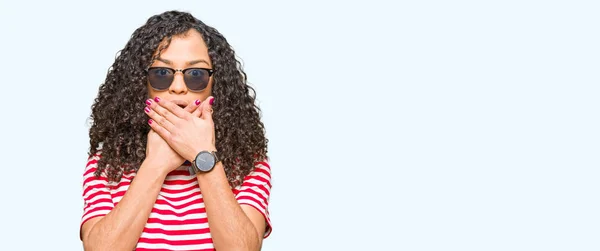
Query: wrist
{"points": [[204, 161], [192, 156], [155, 166]]}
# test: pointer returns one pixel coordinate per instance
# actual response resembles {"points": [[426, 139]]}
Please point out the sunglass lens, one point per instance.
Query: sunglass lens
{"points": [[196, 79], [160, 78]]}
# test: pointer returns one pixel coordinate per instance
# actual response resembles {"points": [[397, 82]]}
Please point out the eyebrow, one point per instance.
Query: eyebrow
{"points": [[193, 62]]}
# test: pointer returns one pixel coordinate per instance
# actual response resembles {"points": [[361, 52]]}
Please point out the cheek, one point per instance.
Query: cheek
{"points": [[152, 93], [201, 96]]}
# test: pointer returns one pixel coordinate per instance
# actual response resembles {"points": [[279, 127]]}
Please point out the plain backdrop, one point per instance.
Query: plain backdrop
{"points": [[400, 125]]}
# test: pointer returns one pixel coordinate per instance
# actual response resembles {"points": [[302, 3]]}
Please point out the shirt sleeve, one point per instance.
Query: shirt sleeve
{"points": [[97, 199], [255, 191]]}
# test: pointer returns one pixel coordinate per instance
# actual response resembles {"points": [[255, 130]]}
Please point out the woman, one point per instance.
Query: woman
{"points": [[177, 149]]}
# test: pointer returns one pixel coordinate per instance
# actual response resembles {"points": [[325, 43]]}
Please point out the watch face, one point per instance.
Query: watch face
{"points": [[205, 161]]}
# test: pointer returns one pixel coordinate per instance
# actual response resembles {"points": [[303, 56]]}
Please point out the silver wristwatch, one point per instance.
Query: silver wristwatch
{"points": [[204, 162]]}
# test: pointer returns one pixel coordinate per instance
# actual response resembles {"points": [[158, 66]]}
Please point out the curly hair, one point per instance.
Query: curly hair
{"points": [[119, 129]]}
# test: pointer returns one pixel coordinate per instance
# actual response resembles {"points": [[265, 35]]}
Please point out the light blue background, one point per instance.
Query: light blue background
{"points": [[414, 125]]}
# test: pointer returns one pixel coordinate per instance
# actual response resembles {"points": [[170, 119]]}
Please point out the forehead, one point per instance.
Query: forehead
{"points": [[185, 48]]}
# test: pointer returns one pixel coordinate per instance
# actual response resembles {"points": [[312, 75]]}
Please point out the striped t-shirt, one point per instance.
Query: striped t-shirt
{"points": [[178, 219]]}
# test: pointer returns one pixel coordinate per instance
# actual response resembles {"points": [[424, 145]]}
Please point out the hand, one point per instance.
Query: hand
{"points": [[187, 133], [158, 151]]}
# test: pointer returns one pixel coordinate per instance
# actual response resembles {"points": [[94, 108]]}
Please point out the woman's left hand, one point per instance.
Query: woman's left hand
{"points": [[187, 133]]}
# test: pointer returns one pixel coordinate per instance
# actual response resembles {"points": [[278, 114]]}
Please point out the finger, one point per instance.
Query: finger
{"points": [[159, 119], [161, 131], [167, 108], [207, 108], [192, 107], [198, 112]]}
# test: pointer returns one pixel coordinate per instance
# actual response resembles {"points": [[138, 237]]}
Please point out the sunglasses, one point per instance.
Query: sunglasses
{"points": [[196, 79]]}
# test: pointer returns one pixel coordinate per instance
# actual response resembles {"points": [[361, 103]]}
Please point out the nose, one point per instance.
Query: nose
{"points": [[178, 86]]}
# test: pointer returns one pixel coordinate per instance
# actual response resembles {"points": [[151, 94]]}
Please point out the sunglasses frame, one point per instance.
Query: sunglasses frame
{"points": [[210, 73]]}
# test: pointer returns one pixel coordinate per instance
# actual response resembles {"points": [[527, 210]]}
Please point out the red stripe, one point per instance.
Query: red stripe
{"points": [[263, 171], [91, 210], [98, 202], [179, 172], [176, 214], [179, 182], [97, 186], [180, 190], [174, 242], [253, 193], [256, 177], [248, 186], [197, 193], [88, 197], [89, 171], [119, 193], [176, 232], [155, 249], [92, 178], [122, 183], [264, 163], [177, 222], [262, 204], [182, 206]]}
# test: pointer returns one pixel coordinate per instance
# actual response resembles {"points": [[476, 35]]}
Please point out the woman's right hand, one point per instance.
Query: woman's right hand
{"points": [[158, 152]]}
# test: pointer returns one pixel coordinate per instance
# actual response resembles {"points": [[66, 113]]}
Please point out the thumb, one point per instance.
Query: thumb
{"points": [[207, 108]]}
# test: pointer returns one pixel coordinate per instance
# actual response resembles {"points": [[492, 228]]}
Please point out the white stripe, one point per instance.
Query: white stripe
{"points": [[173, 177], [249, 190], [172, 247], [117, 199], [260, 208], [262, 175], [179, 203], [179, 218], [94, 183], [263, 167], [124, 188], [87, 197], [121, 188], [103, 204], [179, 194], [128, 176], [177, 227], [255, 182], [96, 213], [94, 157], [179, 211], [186, 237], [89, 200], [179, 187], [89, 175], [261, 201]]}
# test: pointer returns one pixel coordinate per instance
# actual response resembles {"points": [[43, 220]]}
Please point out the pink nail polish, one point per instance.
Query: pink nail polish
{"points": [[147, 109], [197, 102], [212, 101], [157, 99], [149, 102], [150, 121]]}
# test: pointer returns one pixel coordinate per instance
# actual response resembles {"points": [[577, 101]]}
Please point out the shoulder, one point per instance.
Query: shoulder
{"points": [[261, 169]]}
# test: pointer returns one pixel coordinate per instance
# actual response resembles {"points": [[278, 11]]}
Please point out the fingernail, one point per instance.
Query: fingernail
{"points": [[149, 102], [150, 121], [157, 99], [147, 109], [197, 102], [212, 101]]}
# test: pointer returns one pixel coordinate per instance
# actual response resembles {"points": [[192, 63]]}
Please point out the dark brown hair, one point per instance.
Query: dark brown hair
{"points": [[118, 120]]}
